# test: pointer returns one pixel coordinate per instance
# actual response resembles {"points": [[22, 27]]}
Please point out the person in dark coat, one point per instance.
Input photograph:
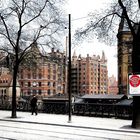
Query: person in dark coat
{"points": [[34, 105]]}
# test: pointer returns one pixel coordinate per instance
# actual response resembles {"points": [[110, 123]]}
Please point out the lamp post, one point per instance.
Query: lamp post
{"points": [[69, 73]]}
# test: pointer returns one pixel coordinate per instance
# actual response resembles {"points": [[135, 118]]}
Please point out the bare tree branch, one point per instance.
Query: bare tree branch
{"points": [[126, 17], [39, 13], [7, 31], [139, 3], [104, 24], [20, 28]]}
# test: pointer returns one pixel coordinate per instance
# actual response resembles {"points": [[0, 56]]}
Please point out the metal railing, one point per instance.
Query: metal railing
{"points": [[84, 109]]}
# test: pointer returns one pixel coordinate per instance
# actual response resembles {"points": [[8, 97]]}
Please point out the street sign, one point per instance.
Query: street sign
{"points": [[134, 84]]}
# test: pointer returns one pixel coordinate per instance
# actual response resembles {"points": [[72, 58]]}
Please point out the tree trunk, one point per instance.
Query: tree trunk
{"points": [[136, 70], [136, 112], [13, 115]]}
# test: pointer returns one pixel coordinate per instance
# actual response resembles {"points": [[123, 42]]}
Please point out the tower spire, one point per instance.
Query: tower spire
{"points": [[103, 55], [74, 54]]}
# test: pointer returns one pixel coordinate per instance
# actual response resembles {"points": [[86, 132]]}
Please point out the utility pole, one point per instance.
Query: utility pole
{"points": [[69, 70]]}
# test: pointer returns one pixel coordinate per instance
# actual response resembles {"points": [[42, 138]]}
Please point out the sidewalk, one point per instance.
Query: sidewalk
{"points": [[76, 121]]}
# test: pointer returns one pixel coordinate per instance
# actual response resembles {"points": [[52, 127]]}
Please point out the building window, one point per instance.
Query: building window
{"points": [[49, 92], [49, 84], [54, 84], [39, 92], [29, 84], [40, 75], [29, 92], [53, 91], [59, 88], [22, 84], [54, 71], [29, 75], [54, 77], [48, 76], [39, 83], [34, 75], [34, 92], [21, 76]]}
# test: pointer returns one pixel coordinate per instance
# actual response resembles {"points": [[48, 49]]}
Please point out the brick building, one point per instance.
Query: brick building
{"points": [[6, 84], [112, 85], [47, 78], [89, 75]]}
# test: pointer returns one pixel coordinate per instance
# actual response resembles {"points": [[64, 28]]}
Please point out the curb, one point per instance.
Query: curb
{"points": [[76, 126]]}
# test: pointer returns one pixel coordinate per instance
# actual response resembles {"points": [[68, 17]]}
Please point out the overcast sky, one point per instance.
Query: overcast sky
{"points": [[79, 9]]}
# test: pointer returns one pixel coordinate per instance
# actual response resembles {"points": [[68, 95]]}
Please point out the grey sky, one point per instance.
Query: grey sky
{"points": [[79, 9]]}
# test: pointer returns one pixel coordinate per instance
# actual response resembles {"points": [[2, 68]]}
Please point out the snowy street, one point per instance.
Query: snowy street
{"points": [[56, 127]]}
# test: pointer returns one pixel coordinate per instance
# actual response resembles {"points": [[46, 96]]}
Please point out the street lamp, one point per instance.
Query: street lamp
{"points": [[69, 74]]}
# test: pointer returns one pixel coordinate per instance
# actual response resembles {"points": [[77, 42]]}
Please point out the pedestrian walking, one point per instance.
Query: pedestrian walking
{"points": [[34, 105]]}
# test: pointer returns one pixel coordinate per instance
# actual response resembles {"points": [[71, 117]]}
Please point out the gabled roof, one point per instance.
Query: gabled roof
{"points": [[35, 49]]}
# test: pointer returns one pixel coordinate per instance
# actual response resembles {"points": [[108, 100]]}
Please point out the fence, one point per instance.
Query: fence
{"points": [[84, 109], [103, 110]]}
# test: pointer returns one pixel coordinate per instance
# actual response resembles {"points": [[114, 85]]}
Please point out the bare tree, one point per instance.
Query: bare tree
{"points": [[104, 26], [25, 22]]}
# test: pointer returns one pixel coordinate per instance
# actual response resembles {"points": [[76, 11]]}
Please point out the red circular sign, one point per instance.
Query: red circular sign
{"points": [[134, 80]]}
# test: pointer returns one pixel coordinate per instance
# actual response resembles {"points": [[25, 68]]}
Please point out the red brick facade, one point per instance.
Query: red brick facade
{"points": [[91, 74], [47, 78], [112, 85]]}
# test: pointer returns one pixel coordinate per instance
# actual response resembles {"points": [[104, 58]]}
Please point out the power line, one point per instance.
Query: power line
{"points": [[79, 18]]}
